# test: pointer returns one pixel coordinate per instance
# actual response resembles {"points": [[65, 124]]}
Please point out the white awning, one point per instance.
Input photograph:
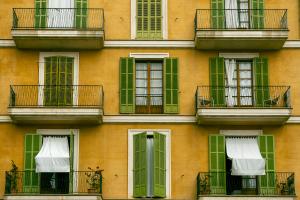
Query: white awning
{"points": [[245, 155], [54, 155]]}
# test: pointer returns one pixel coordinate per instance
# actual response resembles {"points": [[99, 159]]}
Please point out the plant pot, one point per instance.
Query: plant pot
{"points": [[92, 190]]}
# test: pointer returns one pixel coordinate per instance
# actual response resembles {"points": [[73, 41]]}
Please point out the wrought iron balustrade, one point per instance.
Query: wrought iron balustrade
{"points": [[56, 96], [58, 18], [241, 19], [32, 183], [242, 97], [222, 183]]}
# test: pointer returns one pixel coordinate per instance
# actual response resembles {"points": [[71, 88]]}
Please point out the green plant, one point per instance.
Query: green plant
{"points": [[94, 177], [12, 179], [204, 185]]}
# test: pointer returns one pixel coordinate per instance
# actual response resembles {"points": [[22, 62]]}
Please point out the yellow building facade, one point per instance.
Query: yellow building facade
{"points": [[150, 91]]}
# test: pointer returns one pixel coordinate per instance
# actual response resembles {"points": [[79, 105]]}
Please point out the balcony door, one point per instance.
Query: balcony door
{"points": [[238, 81], [237, 13], [149, 90], [60, 14], [58, 81]]}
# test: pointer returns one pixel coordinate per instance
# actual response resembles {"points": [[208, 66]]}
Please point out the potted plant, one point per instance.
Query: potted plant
{"points": [[204, 185], [93, 179], [11, 176]]}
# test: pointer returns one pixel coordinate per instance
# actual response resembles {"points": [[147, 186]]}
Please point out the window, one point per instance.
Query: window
{"points": [[148, 86], [239, 82], [149, 163], [221, 180]]}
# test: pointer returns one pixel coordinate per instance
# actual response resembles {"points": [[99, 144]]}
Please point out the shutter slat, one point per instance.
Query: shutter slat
{"points": [[171, 87]]}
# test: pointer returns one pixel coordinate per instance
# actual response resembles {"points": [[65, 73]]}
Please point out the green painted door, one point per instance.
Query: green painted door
{"points": [[217, 81], [58, 89], [261, 90], [257, 14], [31, 180], [81, 14], [140, 165], [149, 19], [217, 167], [127, 85], [267, 183], [40, 13], [217, 14], [159, 165], [171, 98]]}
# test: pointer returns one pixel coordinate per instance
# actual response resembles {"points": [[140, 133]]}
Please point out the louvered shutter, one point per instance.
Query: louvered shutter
{"points": [[267, 183], [81, 14], [217, 167], [40, 13], [171, 97], [140, 165], [31, 180], [217, 81], [257, 14], [260, 70], [159, 165], [127, 85], [217, 14]]}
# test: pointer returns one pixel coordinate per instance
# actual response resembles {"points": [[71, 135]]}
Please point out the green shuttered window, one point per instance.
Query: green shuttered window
{"points": [[217, 81], [40, 13], [217, 14], [149, 19], [142, 169], [260, 69], [81, 14], [257, 15], [128, 87], [267, 150], [217, 167], [32, 144]]}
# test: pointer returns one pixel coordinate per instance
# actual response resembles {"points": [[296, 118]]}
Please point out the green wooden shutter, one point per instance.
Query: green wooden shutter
{"points": [[217, 14], [257, 14], [81, 14], [261, 89], [140, 165], [217, 81], [71, 175], [31, 181], [127, 85], [217, 167], [171, 97], [40, 13], [58, 89], [159, 152], [267, 183], [149, 19]]}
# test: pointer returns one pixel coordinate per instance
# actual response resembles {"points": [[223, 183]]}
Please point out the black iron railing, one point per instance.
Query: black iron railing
{"points": [[232, 19], [75, 182], [58, 18], [243, 97], [222, 183], [56, 96]]}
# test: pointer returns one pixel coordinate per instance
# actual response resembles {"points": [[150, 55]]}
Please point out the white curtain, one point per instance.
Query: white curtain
{"points": [[54, 155], [150, 172], [60, 18], [231, 14], [156, 84], [141, 84], [230, 66], [245, 155]]}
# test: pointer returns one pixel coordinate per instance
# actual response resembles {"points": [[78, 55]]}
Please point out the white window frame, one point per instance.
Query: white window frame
{"points": [[241, 132], [131, 133], [75, 163], [42, 56], [164, 24]]}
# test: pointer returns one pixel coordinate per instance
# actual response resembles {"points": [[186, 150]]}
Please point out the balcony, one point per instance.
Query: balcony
{"points": [[222, 186], [240, 29], [74, 185], [243, 105], [61, 28], [57, 104]]}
